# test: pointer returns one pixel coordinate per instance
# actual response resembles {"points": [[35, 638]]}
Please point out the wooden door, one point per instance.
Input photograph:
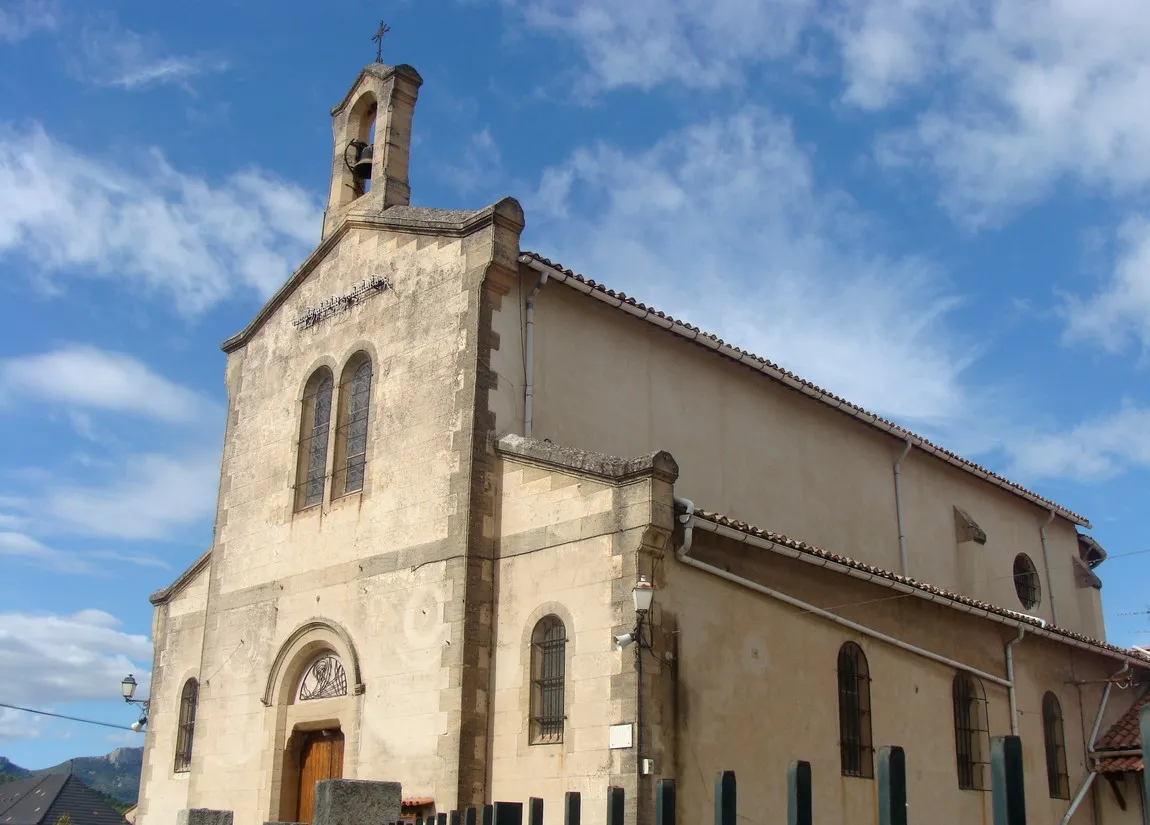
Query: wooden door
{"points": [[321, 757]]}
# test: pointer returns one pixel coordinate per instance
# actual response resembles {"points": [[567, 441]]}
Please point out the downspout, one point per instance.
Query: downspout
{"points": [[1010, 689], [681, 554], [898, 509], [529, 358], [1046, 564], [1092, 774]]}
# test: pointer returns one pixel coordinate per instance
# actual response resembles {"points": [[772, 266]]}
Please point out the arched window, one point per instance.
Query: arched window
{"points": [[324, 678], [971, 733], [315, 421], [1026, 583], [854, 712], [1054, 737], [548, 675], [187, 725], [351, 433]]}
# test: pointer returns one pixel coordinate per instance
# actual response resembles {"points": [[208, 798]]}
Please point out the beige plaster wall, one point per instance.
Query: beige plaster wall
{"points": [[1110, 812], [755, 450], [757, 689]]}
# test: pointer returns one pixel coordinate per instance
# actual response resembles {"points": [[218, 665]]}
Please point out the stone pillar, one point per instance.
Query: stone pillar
{"points": [[354, 802], [203, 816]]}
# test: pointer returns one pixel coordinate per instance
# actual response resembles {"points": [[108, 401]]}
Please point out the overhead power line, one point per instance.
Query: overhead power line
{"points": [[62, 716]]}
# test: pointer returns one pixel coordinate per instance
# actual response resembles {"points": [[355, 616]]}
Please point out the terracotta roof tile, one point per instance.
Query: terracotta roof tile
{"points": [[417, 802], [1121, 764], [845, 561], [1124, 734], [713, 342]]}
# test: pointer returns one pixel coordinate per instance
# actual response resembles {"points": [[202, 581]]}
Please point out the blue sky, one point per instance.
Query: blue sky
{"points": [[936, 212]]}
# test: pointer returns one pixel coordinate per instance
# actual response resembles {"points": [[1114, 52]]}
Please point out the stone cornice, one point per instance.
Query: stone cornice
{"points": [[383, 72], [416, 220], [164, 595], [659, 464]]}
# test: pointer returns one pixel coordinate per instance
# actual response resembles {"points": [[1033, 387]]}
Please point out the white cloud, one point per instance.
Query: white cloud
{"points": [[20, 19], [173, 234], [112, 55], [84, 376], [726, 224], [24, 547], [16, 724], [1119, 313], [1096, 450], [150, 496], [48, 657]]}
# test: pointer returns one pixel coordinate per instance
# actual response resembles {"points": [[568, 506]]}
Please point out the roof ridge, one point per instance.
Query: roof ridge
{"points": [[32, 787], [785, 376]]}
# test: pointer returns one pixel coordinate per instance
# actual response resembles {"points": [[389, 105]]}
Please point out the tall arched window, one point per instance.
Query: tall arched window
{"points": [[187, 725], [971, 733], [351, 433], [315, 421], [854, 712], [548, 675], [1054, 737]]}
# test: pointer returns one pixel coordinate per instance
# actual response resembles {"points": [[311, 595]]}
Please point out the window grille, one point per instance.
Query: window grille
{"points": [[1026, 581], [1054, 738], [325, 678], [315, 422], [187, 725], [352, 434], [854, 712], [548, 675], [971, 733]]}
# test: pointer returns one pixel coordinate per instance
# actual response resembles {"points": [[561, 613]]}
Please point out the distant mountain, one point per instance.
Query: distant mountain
{"points": [[116, 775]]}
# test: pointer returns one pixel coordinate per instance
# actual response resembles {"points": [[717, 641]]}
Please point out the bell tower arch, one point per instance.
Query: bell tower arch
{"points": [[371, 130]]}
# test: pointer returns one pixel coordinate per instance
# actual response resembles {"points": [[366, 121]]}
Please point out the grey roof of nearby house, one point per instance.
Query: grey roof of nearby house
{"points": [[42, 800]]}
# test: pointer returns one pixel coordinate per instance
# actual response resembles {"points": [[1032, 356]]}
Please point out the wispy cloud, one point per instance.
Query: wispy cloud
{"points": [[112, 55], [170, 234], [1096, 450], [20, 19], [80, 375], [725, 221], [50, 657], [26, 548]]}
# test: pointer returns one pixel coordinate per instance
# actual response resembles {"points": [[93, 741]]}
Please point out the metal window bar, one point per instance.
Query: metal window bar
{"points": [[187, 726], [971, 733], [313, 444], [1026, 581], [351, 434], [549, 642], [854, 712], [1053, 735]]}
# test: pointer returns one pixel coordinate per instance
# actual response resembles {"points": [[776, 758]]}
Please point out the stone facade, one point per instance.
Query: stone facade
{"points": [[425, 585]]}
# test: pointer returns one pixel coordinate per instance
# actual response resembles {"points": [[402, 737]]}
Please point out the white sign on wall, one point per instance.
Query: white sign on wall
{"points": [[622, 736]]}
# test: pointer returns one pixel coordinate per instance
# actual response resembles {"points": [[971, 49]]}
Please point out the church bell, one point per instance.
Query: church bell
{"points": [[361, 166]]}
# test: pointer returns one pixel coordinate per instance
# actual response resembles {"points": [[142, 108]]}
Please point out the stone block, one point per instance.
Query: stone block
{"points": [[354, 802], [203, 816]]}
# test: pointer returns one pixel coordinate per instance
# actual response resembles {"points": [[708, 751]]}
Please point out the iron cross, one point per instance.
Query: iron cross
{"points": [[378, 38]]}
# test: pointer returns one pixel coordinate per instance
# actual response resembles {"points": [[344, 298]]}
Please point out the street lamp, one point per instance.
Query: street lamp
{"points": [[128, 691], [642, 594]]}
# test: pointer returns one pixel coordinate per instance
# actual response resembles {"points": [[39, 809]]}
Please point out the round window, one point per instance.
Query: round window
{"points": [[1026, 582]]}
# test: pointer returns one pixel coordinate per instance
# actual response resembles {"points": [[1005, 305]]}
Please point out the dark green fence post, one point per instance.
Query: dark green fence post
{"points": [[799, 797], [471, 816], [665, 802], [571, 806], [615, 805], [488, 815], [725, 798], [508, 813], [891, 785], [454, 818], [1006, 779], [534, 811], [441, 819]]}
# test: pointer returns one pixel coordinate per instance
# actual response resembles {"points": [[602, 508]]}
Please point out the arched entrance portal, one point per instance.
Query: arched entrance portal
{"points": [[321, 757]]}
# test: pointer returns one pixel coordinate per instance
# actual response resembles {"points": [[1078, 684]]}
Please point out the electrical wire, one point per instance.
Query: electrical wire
{"points": [[71, 718]]}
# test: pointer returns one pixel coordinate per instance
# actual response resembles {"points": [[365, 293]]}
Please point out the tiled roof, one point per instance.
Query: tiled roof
{"points": [[41, 800], [1121, 764], [1124, 734], [417, 802], [712, 342], [926, 590]]}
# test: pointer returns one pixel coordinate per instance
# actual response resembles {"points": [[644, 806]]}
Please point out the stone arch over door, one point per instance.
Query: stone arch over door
{"points": [[294, 721]]}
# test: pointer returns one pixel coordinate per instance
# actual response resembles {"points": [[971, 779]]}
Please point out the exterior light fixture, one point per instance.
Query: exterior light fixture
{"points": [[128, 687], [643, 593], [128, 691]]}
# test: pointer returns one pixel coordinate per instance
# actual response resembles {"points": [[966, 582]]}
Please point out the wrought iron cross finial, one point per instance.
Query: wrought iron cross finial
{"points": [[378, 38]]}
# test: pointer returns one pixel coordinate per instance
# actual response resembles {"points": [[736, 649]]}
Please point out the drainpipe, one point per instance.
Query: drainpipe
{"points": [[681, 555], [688, 522], [529, 358], [1011, 693], [1046, 564], [898, 509], [1092, 774]]}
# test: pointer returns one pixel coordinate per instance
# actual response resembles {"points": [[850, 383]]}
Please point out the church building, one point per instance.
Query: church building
{"points": [[490, 529]]}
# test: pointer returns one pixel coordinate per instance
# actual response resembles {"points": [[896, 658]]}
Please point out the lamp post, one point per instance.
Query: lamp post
{"points": [[128, 691]]}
